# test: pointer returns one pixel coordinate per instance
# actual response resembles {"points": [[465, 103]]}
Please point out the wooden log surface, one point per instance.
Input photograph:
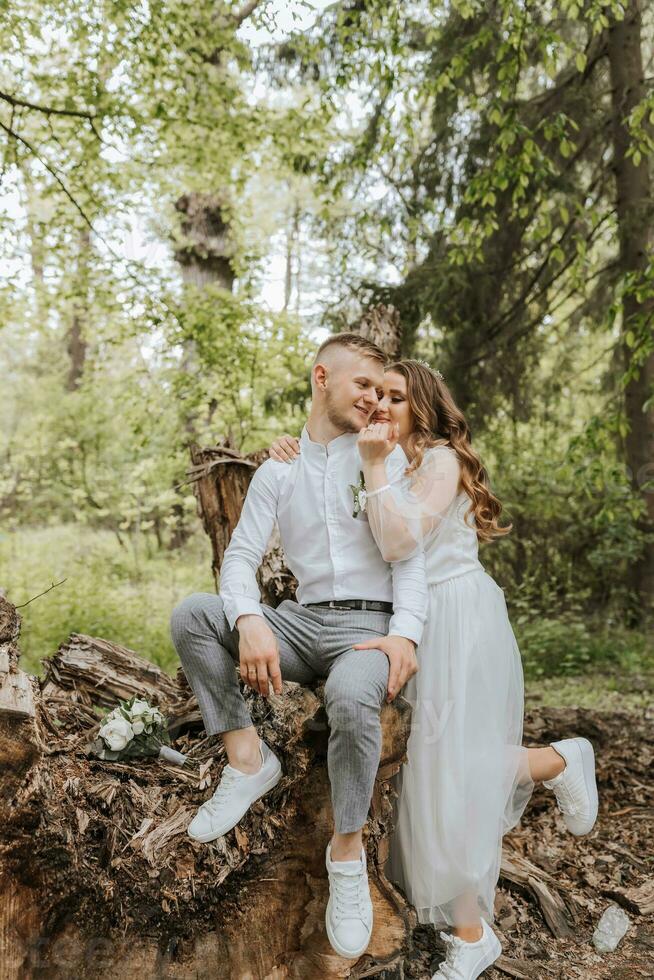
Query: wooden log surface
{"points": [[16, 693], [96, 875], [94, 671]]}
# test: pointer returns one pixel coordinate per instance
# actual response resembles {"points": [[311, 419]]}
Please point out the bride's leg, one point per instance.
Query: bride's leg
{"points": [[567, 767], [468, 927], [545, 763]]}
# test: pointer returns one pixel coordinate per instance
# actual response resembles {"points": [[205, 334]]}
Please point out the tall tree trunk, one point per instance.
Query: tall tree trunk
{"points": [[36, 224], [292, 252], [76, 340], [203, 254], [634, 209], [203, 250]]}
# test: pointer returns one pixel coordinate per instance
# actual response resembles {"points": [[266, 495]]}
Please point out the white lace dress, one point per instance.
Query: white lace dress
{"points": [[466, 781]]}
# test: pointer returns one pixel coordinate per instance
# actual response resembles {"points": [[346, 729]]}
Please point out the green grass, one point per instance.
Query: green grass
{"points": [[578, 644], [122, 594], [597, 691]]}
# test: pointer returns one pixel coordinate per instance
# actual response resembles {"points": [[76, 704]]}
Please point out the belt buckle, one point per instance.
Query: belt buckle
{"points": [[333, 604]]}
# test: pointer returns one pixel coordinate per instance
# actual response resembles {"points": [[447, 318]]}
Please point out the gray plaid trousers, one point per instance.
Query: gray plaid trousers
{"points": [[313, 642]]}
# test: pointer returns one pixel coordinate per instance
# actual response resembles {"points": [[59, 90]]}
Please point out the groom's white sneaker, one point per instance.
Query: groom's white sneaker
{"points": [[575, 788], [466, 961], [348, 918], [234, 795]]}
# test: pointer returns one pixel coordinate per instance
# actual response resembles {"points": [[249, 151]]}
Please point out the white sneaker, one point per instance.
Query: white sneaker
{"points": [[234, 795], [575, 788], [348, 918], [466, 961]]}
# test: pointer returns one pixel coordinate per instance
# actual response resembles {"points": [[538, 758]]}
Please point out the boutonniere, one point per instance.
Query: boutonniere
{"points": [[359, 494]]}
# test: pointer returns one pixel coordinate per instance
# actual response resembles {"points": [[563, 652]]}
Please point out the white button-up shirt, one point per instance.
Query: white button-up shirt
{"points": [[332, 554]]}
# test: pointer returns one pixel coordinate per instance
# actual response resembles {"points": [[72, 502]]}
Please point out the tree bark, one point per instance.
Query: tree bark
{"points": [[220, 477], [381, 324], [204, 250], [635, 213]]}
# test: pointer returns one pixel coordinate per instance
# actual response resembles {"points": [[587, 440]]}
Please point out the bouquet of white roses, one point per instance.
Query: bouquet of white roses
{"points": [[135, 730]]}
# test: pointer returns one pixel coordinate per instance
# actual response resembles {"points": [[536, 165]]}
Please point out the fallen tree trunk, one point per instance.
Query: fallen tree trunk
{"points": [[97, 873]]}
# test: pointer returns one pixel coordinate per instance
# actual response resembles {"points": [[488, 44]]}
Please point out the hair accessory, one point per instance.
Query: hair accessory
{"points": [[435, 371]]}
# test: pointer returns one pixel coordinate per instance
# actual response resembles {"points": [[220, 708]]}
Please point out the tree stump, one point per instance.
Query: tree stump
{"points": [[220, 477], [97, 873]]}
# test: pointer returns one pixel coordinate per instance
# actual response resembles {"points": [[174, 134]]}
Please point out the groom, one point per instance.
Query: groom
{"points": [[346, 591]]}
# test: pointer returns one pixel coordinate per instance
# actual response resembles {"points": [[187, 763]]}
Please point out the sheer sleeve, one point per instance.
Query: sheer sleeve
{"points": [[409, 510]]}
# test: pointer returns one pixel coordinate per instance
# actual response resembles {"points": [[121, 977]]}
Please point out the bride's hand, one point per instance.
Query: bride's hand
{"points": [[285, 449], [377, 441]]}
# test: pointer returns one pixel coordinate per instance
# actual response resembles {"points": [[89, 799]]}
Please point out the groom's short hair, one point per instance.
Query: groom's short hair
{"points": [[353, 341]]}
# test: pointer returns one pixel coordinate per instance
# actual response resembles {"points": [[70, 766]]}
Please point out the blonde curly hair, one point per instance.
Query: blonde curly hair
{"points": [[438, 421]]}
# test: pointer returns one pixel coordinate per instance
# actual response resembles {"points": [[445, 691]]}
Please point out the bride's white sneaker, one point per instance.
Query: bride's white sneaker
{"points": [[234, 795], [466, 961], [575, 788], [348, 918]]}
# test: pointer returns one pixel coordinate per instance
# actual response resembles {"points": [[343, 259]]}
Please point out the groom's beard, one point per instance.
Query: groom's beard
{"points": [[340, 420]]}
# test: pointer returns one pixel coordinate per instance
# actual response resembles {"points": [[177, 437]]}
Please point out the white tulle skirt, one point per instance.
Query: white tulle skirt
{"points": [[466, 780]]}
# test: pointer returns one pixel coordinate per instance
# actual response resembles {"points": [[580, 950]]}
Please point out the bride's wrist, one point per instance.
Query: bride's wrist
{"points": [[374, 475]]}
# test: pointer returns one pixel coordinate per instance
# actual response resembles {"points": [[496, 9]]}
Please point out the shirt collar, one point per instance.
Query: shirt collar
{"points": [[337, 445]]}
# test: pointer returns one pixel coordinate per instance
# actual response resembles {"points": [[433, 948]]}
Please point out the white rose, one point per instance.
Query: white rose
{"points": [[138, 726], [117, 733], [153, 718], [139, 709], [363, 497]]}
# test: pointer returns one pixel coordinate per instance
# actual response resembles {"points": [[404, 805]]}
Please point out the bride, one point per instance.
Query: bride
{"points": [[467, 778]]}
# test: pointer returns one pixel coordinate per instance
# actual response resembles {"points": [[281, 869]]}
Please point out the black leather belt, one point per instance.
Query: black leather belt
{"points": [[374, 605]]}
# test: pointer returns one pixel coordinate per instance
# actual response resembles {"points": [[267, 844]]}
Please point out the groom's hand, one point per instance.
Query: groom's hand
{"points": [[258, 654], [401, 653]]}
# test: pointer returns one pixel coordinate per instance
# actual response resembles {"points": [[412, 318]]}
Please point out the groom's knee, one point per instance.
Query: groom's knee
{"points": [[199, 613], [353, 703]]}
